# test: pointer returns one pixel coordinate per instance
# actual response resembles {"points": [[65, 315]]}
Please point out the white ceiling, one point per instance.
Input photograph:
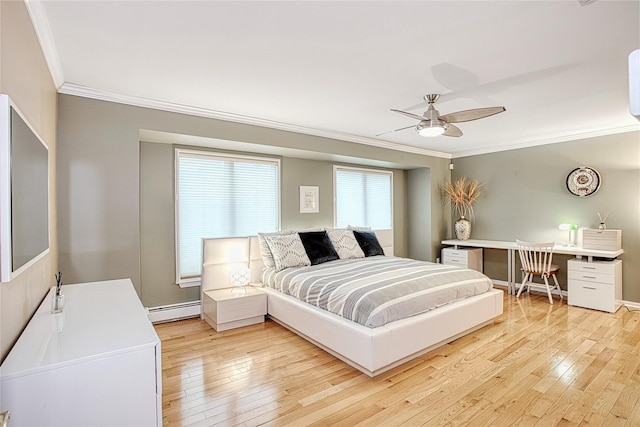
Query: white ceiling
{"points": [[336, 68]]}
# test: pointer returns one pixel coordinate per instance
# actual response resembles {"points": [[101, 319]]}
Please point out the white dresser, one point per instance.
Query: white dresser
{"points": [[97, 363], [596, 285], [463, 257]]}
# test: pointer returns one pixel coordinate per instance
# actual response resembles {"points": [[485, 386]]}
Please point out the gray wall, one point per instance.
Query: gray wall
{"points": [[99, 204], [24, 76], [157, 236], [419, 214], [428, 215], [157, 214], [526, 197]]}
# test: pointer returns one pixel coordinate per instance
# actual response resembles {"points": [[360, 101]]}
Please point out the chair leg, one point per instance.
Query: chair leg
{"points": [[546, 282], [524, 281], [557, 286]]}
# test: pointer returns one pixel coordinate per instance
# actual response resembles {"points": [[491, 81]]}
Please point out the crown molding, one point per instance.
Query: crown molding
{"points": [[43, 32], [45, 37], [86, 92], [534, 143]]}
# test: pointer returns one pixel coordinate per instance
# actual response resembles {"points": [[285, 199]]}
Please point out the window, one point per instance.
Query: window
{"points": [[363, 198], [221, 196]]}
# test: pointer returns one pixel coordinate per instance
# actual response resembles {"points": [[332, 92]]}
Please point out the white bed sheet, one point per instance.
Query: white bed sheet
{"points": [[377, 290]]}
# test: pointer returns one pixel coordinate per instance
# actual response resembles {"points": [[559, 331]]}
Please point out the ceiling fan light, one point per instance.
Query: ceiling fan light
{"points": [[431, 128]]}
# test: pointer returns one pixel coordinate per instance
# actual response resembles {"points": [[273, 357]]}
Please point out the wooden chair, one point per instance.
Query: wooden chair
{"points": [[536, 261]]}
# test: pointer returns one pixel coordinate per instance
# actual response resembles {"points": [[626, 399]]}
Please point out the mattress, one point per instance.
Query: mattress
{"points": [[376, 290]]}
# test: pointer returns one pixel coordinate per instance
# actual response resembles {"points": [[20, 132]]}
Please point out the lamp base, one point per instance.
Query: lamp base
{"points": [[239, 289]]}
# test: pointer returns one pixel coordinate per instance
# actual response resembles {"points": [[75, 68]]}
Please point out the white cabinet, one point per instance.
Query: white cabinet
{"points": [[463, 257], [596, 285], [230, 308], [97, 363]]}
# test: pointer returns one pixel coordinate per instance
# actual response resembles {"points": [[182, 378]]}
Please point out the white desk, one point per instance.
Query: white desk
{"points": [[511, 249]]}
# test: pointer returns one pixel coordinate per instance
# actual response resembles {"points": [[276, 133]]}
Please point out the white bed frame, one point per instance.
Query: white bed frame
{"points": [[370, 350]]}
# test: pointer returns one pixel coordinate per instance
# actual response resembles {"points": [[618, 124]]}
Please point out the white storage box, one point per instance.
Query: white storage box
{"points": [[603, 240]]}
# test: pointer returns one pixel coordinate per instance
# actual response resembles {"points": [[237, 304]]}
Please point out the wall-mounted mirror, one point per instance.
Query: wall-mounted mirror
{"points": [[24, 193]]}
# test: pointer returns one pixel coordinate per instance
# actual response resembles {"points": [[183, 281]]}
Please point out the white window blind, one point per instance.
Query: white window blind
{"points": [[221, 196], [363, 198]]}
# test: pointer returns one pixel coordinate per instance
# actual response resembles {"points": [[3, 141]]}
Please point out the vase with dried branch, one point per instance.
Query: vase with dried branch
{"points": [[463, 195]]}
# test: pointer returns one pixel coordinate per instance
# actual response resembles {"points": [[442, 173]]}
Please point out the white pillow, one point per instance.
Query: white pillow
{"points": [[265, 252], [345, 244], [287, 251]]}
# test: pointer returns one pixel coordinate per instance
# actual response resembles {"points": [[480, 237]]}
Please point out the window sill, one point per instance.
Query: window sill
{"points": [[189, 283]]}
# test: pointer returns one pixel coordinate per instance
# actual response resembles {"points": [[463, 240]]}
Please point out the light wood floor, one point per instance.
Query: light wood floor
{"points": [[537, 365]]}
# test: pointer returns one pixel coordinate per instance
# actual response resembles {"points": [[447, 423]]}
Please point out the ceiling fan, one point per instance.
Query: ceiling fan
{"points": [[431, 123]]}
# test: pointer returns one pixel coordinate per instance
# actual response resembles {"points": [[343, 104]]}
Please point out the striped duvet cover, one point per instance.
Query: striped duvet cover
{"points": [[376, 290]]}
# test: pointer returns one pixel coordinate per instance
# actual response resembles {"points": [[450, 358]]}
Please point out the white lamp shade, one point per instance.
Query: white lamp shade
{"points": [[239, 275], [431, 128], [568, 227], [571, 228]]}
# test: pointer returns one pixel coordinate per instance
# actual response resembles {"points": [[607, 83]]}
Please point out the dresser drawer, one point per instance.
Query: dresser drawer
{"points": [[597, 296]]}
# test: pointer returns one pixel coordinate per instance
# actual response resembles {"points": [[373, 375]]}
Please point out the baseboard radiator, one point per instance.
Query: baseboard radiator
{"points": [[171, 312]]}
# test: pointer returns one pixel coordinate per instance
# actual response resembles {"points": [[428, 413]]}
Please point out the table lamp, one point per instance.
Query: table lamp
{"points": [[571, 228], [239, 276]]}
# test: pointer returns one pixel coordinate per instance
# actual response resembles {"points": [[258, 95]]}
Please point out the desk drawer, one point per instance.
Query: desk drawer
{"points": [[455, 254], [455, 261], [597, 296], [601, 267], [590, 276], [463, 257]]}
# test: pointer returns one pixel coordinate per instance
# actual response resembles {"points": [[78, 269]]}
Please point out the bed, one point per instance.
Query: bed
{"points": [[375, 347]]}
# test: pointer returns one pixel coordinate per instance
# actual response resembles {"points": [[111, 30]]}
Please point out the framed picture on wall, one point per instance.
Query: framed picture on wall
{"points": [[309, 199]]}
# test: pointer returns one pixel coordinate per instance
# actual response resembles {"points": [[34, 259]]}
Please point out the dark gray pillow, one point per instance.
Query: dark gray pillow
{"points": [[318, 247], [368, 242]]}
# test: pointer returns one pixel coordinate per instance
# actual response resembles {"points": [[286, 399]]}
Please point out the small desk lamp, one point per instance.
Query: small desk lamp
{"points": [[571, 228], [239, 276]]}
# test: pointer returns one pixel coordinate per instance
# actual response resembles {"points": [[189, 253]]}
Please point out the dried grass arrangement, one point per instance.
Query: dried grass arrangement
{"points": [[462, 195]]}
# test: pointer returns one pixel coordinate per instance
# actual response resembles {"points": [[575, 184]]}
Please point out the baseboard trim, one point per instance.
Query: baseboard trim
{"points": [[631, 304], [536, 288], [171, 312]]}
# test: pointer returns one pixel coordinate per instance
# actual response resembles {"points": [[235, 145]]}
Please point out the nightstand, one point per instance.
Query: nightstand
{"points": [[234, 307]]}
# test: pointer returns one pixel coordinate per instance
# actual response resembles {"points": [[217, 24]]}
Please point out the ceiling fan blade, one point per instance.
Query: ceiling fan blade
{"points": [[422, 105], [468, 115], [391, 131], [452, 131], [413, 116]]}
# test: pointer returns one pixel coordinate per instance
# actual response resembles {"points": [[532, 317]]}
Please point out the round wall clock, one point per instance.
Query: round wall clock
{"points": [[583, 181]]}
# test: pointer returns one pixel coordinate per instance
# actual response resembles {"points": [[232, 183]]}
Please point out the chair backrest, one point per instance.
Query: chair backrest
{"points": [[535, 257]]}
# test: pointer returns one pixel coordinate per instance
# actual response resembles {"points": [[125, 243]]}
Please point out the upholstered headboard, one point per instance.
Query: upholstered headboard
{"points": [[221, 256]]}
